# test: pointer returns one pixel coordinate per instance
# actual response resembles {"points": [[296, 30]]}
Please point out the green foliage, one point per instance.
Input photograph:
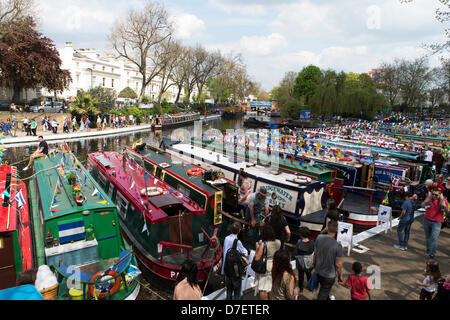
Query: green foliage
{"points": [[306, 83], [291, 109], [84, 104], [106, 98], [127, 93]]}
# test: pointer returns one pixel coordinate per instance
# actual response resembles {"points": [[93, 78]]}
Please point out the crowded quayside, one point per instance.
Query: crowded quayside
{"points": [[107, 227], [214, 158]]}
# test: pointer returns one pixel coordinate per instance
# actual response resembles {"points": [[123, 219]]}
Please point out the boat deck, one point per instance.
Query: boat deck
{"points": [[195, 254], [131, 176], [252, 169], [178, 167], [358, 203], [60, 202]]}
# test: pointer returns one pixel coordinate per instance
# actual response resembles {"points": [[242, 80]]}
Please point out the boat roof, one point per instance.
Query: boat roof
{"points": [[48, 176], [178, 167], [132, 179], [8, 214], [257, 170]]}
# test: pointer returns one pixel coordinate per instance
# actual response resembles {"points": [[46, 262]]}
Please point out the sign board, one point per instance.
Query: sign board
{"points": [[385, 216], [305, 115], [345, 235], [261, 104], [285, 198]]}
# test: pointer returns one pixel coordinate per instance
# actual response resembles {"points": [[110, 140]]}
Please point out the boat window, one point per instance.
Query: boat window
{"points": [[110, 191], [102, 181], [122, 204]]}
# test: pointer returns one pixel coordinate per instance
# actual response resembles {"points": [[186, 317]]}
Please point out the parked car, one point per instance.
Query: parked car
{"points": [[50, 106], [4, 106]]}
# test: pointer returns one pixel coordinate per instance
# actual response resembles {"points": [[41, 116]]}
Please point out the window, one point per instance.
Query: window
{"points": [[112, 83], [122, 204], [102, 181], [112, 69], [93, 66], [104, 81]]}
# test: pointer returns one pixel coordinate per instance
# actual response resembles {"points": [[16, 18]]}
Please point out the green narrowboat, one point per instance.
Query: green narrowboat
{"points": [[76, 232], [217, 199]]}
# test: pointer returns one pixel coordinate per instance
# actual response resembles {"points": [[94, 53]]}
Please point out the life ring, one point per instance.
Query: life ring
{"points": [[195, 172], [302, 179], [345, 159], [151, 191], [113, 290], [329, 189]]}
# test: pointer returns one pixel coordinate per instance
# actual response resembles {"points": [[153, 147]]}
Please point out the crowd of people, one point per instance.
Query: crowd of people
{"points": [[319, 261], [31, 125]]}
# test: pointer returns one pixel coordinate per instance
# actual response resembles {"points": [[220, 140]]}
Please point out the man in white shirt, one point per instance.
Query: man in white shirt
{"points": [[233, 284], [428, 155]]}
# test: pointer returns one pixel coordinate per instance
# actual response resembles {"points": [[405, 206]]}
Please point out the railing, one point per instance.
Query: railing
{"points": [[174, 245]]}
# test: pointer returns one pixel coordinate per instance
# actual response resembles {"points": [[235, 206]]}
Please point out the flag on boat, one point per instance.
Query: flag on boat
{"points": [[5, 194], [95, 191], [71, 231], [20, 200]]}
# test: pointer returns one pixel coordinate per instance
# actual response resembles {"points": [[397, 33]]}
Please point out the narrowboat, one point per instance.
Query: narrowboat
{"points": [[301, 197], [16, 252], [176, 120], [76, 232], [216, 194], [233, 112], [164, 226]]}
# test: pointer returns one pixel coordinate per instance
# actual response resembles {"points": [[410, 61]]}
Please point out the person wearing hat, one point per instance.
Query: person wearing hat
{"points": [[258, 208]]}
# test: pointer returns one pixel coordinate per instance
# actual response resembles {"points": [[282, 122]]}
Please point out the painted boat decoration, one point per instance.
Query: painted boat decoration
{"points": [[164, 226], [76, 232], [16, 251]]}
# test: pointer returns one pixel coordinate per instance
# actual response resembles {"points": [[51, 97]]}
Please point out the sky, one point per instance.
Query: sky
{"points": [[273, 36]]}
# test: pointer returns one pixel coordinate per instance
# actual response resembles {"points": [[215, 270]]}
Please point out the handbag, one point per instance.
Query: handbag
{"points": [[260, 266]]}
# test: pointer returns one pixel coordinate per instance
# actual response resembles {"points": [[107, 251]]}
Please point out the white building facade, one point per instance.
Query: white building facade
{"points": [[89, 69]]}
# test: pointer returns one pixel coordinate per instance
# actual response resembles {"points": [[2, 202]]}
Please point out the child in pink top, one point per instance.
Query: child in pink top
{"points": [[359, 286]]}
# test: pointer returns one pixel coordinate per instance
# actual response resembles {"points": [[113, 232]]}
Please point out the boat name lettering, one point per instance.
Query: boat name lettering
{"points": [[281, 192], [105, 213]]}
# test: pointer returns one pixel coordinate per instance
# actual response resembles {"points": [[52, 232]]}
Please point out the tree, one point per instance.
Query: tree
{"points": [[306, 83], [28, 59], [208, 66], [127, 93], [415, 77], [142, 37], [387, 79], [106, 98], [84, 105], [173, 56], [14, 12]]}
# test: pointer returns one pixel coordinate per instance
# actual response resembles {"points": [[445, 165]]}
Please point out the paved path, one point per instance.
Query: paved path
{"points": [[399, 270], [48, 136]]}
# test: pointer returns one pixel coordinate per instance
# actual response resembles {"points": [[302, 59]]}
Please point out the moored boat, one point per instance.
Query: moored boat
{"points": [[76, 232], [301, 197], [164, 225], [16, 252]]}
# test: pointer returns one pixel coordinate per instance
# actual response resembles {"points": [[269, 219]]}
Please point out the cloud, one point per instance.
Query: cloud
{"points": [[263, 45], [187, 25]]}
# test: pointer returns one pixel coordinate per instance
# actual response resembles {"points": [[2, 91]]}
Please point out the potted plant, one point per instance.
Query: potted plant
{"points": [[72, 178]]}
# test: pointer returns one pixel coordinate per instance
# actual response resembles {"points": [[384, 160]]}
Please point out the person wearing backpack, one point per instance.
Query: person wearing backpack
{"points": [[232, 266], [304, 256]]}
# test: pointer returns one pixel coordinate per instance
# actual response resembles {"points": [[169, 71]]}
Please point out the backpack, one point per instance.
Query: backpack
{"points": [[234, 266]]}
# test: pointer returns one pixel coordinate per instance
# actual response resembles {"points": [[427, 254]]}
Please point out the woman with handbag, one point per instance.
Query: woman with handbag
{"points": [[263, 260], [304, 255]]}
